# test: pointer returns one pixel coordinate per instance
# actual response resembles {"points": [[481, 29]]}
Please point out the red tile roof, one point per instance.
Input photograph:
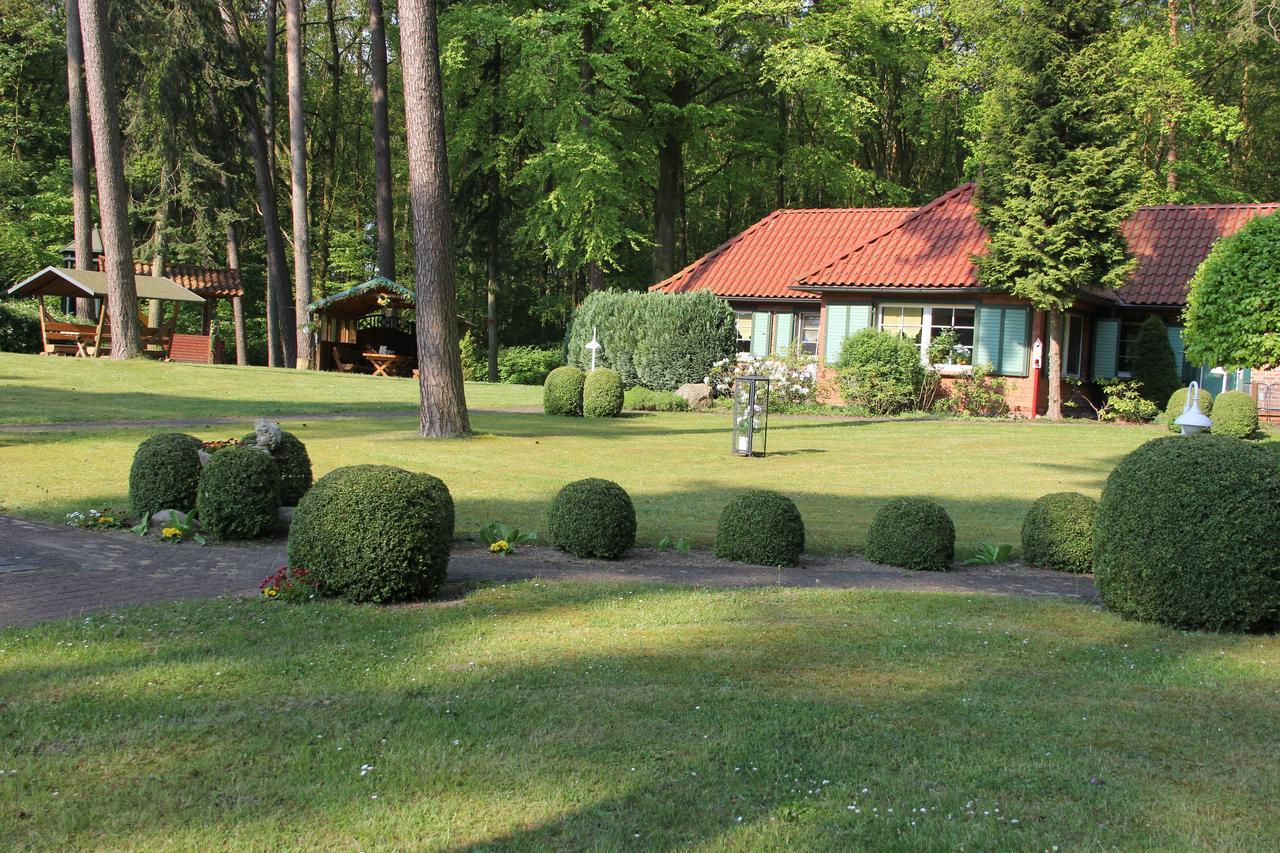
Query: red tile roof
{"points": [[767, 257], [206, 281]]}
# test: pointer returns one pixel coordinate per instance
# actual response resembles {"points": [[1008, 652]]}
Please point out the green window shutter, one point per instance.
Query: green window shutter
{"points": [[837, 331], [786, 334], [1175, 341], [1015, 352], [986, 343], [860, 317], [1106, 347], [761, 333]]}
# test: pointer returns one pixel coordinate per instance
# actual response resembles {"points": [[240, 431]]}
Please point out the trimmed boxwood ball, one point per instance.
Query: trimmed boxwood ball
{"points": [[1057, 532], [562, 392], [374, 533], [1186, 534], [761, 527], [1178, 401], [593, 518], [1235, 414], [914, 533], [165, 474], [239, 494], [295, 467], [602, 394]]}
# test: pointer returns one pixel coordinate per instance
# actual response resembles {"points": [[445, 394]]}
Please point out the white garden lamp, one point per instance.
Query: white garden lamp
{"points": [[594, 346], [1192, 420]]}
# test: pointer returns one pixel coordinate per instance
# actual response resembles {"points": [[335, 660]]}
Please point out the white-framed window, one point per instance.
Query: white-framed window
{"points": [[1127, 347], [1073, 346], [742, 319], [924, 323], [807, 333]]}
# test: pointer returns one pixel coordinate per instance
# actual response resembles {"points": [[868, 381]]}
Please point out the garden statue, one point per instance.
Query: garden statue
{"points": [[268, 435]]}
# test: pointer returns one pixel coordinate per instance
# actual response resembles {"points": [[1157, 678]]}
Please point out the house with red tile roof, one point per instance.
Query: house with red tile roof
{"points": [[804, 280]]}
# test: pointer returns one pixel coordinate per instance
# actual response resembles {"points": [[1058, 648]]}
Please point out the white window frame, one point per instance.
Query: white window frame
{"points": [[1068, 321], [1125, 374], [737, 318], [798, 345], [926, 327]]}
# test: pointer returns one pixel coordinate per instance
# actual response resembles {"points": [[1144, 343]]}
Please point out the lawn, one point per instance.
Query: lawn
{"points": [[561, 717]]}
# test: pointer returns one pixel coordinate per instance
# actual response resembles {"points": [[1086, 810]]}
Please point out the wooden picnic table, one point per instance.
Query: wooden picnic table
{"points": [[386, 364]]}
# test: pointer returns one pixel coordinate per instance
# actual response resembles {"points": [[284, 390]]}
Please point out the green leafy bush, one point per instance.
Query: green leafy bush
{"points": [[1236, 414], [915, 533], [880, 372], [975, 394], [602, 394], [1186, 534], [374, 533], [593, 518], [640, 399], [1155, 366], [165, 474], [562, 393], [760, 527], [20, 324], [1124, 402], [239, 494], [295, 466], [1178, 401], [475, 360], [527, 365], [1057, 532]]}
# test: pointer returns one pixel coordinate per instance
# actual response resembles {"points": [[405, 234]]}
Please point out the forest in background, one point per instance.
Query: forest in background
{"points": [[594, 143]]}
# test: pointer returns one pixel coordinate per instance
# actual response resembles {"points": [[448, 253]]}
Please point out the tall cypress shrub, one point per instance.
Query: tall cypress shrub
{"points": [[1155, 367]]}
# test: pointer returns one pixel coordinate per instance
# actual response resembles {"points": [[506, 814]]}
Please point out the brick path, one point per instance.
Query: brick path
{"points": [[50, 571]]}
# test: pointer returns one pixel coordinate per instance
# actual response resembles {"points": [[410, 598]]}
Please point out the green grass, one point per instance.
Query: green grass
{"points": [[543, 716]]}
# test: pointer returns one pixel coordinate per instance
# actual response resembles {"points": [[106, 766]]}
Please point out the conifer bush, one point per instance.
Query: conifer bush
{"points": [[1235, 413], [1155, 366], [602, 394], [239, 494], [562, 392], [760, 527], [165, 474], [1057, 532], [592, 518], [914, 533]]}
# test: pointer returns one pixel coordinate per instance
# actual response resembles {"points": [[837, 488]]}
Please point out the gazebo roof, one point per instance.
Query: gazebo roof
{"points": [[56, 281], [363, 298]]}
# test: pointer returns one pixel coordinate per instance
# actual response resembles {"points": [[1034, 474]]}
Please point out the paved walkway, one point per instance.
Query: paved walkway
{"points": [[51, 571]]}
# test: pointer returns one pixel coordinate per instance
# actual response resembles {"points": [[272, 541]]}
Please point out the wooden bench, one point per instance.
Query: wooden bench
{"points": [[77, 339]]}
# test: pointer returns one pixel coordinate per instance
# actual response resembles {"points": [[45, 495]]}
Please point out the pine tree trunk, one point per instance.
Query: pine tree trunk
{"points": [[81, 154], [381, 142], [1171, 156], [293, 11], [269, 81], [237, 303], [491, 276], [443, 406], [154, 308], [113, 193], [1054, 412], [666, 206]]}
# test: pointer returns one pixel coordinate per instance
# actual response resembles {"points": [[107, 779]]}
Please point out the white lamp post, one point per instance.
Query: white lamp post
{"points": [[1192, 420], [594, 346]]}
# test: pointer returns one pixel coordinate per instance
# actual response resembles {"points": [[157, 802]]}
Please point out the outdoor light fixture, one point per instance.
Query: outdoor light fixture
{"points": [[750, 415], [1192, 420], [594, 346]]}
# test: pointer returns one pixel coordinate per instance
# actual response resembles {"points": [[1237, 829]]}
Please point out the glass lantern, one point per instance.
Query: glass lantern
{"points": [[750, 415]]}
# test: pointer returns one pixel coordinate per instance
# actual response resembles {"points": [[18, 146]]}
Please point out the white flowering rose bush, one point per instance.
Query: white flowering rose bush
{"points": [[793, 380]]}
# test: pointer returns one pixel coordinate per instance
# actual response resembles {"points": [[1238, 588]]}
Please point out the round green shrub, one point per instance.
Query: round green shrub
{"points": [[1235, 414], [165, 474], [1057, 532], [760, 527], [374, 533], [915, 533], [1178, 401], [562, 393], [602, 394], [1186, 534], [295, 467], [239, 494], [880, 372], [593, 518]]}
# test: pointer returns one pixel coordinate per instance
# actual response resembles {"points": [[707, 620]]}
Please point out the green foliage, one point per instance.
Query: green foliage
{"points": [[1057, 532], [975, 394], [1155, 366], [915, 533], [475, 361], [504, 538], [602, 395], [1232, 310], [657, 340], [1235, 413], [20, 324], [165, 474], [1124, 401], [295, 466], [1178, 402], [640, 399], [527, 365], [592, 518], [562, 393], [760, 527], [880, 372], [1185, 534], [239, 494], [679, 544], [374, 533], [989, 554]]}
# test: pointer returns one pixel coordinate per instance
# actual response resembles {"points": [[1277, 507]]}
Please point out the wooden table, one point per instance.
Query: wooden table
{"points": [[389, 365]]}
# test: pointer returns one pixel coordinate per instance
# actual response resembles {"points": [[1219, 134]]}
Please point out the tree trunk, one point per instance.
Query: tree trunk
{"points": [[81, 155], [154, 309], [293, 11], [1054, 412], [1171, 156], [381, 142], [587, 78], [666, 205], [444, 405], [237, 302], [491, 275], [269, 82], [113, 194]]}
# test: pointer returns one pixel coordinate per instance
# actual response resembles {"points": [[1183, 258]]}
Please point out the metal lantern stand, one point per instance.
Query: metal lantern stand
{"points": [[750, 415]]}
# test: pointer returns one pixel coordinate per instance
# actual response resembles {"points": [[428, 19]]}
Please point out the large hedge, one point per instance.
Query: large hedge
{"points": [[527, 365], [1057, 532], [374, 533], [562, 392], [165, 474], [761, 527], [1186, 534], [20, 323], [295, 467], [239, 494], [915, 533], [1178, 402], [592, 518], [880, 372], [1155, 366], [1233, 308], [658, 340], [602, 394], [1236, 414]]}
